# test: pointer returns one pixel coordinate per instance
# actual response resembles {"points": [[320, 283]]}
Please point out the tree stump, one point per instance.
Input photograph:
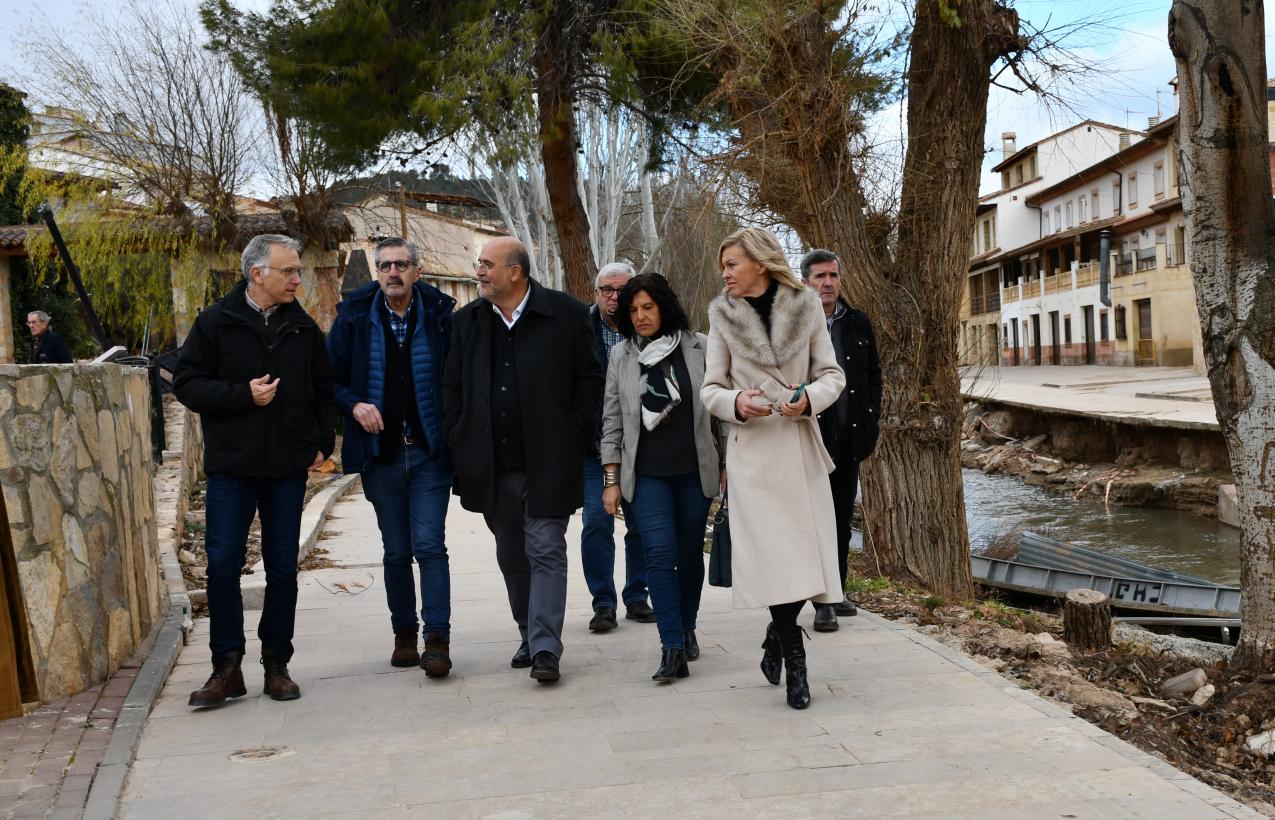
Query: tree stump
{"points": [[1087, 620]]}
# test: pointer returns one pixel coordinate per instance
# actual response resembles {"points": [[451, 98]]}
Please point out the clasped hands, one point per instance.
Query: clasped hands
{"points": [[746, 409]]}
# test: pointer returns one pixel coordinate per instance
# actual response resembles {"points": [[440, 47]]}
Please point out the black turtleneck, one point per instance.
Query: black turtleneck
{"points": [[764, 303]]}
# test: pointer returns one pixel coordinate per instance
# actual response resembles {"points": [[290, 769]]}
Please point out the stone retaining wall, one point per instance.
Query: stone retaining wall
{"points": [[77, 473]]}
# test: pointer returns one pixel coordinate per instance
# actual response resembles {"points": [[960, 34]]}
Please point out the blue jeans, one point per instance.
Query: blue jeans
{"points": [[410, 496], [231, 502], [671, 513], [597, 546]]}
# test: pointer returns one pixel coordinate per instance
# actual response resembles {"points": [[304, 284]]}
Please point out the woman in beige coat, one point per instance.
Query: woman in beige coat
{"points": [[770, 370]]}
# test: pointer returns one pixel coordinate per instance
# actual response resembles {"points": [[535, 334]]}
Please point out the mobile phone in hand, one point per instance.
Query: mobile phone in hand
{"points": [[796, 397]]}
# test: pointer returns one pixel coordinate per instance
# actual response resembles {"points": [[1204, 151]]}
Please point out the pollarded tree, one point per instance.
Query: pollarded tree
{"points": [[791, 84], [1226, 195]]}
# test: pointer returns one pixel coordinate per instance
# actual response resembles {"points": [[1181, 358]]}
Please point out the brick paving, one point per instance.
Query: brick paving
{"points": [[48, 757]]}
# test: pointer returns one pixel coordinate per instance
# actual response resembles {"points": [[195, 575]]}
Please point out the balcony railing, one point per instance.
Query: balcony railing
{"points": [[1177, 255], [1124, 264], [991, 303], [1058, 283], [1087, 274], [1146, 259]]}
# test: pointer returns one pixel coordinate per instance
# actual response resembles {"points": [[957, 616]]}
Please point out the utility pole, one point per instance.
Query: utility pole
{"points": [[402, 210]]}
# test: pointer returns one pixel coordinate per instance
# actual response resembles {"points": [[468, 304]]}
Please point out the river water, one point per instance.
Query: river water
{"points": [[1168, 539]]}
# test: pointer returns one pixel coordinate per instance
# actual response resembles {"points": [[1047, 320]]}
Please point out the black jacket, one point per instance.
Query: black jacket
{"points": [[851, 426], [50, 349], [560, 385], [225, 349]]}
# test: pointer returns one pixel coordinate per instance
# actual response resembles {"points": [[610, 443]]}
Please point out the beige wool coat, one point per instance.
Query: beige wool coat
{"points": [[782, 526]]}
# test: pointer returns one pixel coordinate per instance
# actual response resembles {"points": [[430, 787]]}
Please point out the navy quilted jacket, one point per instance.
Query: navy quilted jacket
{"points": [[356, 345]]}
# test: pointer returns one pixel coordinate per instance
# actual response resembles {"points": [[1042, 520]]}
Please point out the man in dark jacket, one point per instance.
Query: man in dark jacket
{"points": [[850, 426], [388, 345], [255, 370], [47, 347], [520, 397], [597, 539]]}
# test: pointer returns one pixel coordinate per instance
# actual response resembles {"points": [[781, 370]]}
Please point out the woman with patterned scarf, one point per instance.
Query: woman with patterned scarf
{"points": [[659, 452]]}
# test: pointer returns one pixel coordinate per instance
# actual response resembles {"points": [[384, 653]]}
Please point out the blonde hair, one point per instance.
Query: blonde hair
{"points": [[761, 246]]}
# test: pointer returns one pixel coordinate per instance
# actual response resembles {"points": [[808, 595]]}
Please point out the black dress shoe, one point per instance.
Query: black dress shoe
{"points": [[640, 612], [521, 658], [672, 666], [603, 620], [545, 667], [692, 645], [845, 607], [826, 618]]}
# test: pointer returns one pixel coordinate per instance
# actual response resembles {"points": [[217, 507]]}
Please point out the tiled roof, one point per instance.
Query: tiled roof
{"points": [[12, 236]]}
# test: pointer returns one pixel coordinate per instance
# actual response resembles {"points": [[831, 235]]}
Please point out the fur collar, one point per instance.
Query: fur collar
{"points": [[796, 316]]}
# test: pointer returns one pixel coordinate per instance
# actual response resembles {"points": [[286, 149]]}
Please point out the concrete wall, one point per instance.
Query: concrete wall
{"points": [[77, 473]]}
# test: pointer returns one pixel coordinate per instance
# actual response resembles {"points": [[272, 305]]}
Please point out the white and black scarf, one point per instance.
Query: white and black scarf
{"points": [[658, 387]]}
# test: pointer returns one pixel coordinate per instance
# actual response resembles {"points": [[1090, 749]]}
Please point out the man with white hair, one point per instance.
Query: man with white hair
{"points": [[47, 347], [255, 369], [597, 541]]}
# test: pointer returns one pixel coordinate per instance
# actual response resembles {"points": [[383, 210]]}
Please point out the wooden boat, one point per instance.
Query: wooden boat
{"points": [[1044, 566]]}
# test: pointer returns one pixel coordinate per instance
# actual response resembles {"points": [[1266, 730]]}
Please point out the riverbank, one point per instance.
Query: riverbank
{"points": [[1204, 732], [1131, 436]]}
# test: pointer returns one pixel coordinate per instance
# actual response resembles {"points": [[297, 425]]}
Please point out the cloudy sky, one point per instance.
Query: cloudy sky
{"points": [[1124, 44]]}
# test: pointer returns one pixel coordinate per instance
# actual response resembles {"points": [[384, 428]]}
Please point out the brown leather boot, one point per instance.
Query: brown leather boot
{"points": [[226, 681], [279, 685], [405, 653], [437, 661]]}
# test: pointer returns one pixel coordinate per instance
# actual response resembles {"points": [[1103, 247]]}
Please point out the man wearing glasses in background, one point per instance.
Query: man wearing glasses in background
{"points": [[388, 346], [597, 541], [255, 370], [520, 401]]}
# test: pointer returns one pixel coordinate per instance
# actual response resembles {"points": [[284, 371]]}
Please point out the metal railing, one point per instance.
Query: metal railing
{"points": [[1146, 259]]}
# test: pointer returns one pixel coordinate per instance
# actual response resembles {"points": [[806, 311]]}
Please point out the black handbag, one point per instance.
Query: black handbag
{"points": [[719, 558]]}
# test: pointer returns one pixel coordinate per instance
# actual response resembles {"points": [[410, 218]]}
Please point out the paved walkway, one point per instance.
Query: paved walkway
{"points": [[900, 726], [1154, 396]]}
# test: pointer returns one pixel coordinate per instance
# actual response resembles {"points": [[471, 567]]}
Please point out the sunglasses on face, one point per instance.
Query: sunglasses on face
{"points": [[399, 265]]}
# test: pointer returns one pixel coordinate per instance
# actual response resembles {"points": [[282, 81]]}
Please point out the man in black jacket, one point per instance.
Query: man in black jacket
{"points": [[520, 394], [850, 426], [47, 347], [256, 370]]}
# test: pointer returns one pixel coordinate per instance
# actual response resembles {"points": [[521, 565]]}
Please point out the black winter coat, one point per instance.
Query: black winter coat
{"points": [[50, 349], [851, 426], [559, 383], [225, 349]]}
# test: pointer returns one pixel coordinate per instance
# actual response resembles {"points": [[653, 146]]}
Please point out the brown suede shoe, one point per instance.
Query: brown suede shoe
{"points": [[437, 661], [405, 653], [226, 681], [279, 685]]}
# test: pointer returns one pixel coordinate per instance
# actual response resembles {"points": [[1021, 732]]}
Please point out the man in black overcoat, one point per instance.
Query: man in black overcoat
{"points": [[520, 394]]}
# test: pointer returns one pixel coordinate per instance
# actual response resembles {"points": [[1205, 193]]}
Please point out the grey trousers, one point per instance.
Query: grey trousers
{"points": [[532, 554]]}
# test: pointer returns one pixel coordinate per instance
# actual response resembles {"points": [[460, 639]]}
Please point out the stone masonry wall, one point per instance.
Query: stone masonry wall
{"points": [[77, 473]]}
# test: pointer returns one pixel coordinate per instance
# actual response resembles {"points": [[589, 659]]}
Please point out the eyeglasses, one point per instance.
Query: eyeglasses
{"points": [[609, 292], [288, 272], [483, 264], [397, 264]]}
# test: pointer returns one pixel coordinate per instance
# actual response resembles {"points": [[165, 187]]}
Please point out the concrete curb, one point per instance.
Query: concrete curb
{"points": [[313, 518]]}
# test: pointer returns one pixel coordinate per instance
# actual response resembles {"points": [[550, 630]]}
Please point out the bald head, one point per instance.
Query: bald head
{"points": [[503, 269]]}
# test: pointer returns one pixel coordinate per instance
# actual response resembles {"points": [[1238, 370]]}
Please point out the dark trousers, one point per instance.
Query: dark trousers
{"points": [[845, 485], [532, 554], [671, 513], [410, 495], [231, 502], [597, 546]]}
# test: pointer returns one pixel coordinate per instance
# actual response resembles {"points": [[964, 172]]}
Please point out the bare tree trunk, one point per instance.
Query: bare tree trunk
{"points": [[1226, 194], [798, 134], [555, 99]]}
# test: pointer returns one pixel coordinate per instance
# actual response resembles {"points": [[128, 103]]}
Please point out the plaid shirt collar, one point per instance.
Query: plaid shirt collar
{"points": [[398, 324], [837, 313], [610, 336]]}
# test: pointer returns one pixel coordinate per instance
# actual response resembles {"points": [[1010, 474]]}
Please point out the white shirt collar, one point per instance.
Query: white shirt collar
{"points": [[509, 323]]}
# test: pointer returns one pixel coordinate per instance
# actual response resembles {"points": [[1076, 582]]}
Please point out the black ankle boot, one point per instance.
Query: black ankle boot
{"points": [[691, 644], [672, 666], [795, 664], [772, 660]]}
